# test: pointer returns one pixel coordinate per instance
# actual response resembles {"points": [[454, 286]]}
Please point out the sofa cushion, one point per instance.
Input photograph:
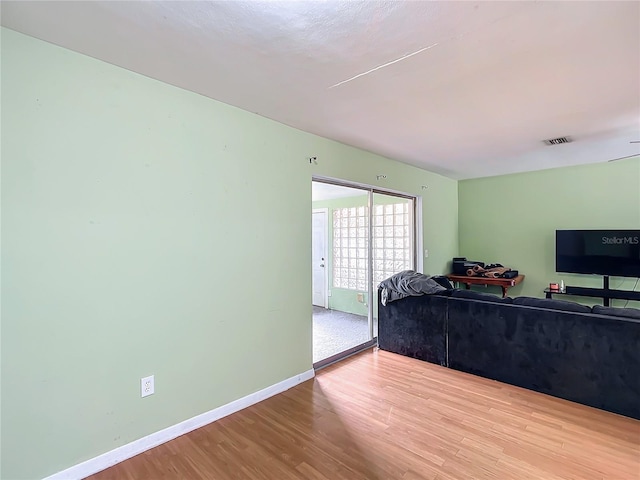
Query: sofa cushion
{"points": [[485, 297], [551, 304], [617, 311]]}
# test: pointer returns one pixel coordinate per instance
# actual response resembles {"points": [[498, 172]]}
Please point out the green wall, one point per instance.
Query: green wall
{"points": [[512, 219], [150, 230]]}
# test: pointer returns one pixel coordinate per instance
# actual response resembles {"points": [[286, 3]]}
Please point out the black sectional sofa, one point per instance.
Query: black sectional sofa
{"points": [[583, 354]]}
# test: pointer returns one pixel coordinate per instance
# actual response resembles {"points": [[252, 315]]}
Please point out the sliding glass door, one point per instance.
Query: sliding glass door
{"points": [[393, 240], [369, 236]]}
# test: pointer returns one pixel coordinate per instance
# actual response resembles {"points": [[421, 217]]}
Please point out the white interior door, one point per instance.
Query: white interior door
{"points": [[319, 257]]}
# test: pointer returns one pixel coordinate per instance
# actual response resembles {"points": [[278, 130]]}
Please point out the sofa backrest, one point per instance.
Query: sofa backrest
{"points": [[617, 311], [548, 303], [485, 297], [552, 304]]}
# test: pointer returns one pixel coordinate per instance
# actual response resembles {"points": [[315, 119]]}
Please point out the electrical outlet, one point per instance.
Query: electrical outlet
{"points": [[426, 253], [147, 386]]}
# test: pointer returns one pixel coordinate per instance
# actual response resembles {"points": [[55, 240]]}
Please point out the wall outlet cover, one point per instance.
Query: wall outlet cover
{"points": [[147, 386]]}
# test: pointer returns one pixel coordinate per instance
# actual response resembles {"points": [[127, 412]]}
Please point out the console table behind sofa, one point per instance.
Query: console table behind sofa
{"points": [[503, 283], [579, 356]]}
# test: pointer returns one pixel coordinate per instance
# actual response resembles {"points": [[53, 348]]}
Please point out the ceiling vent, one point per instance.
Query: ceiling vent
{"points": [[557, 141]]}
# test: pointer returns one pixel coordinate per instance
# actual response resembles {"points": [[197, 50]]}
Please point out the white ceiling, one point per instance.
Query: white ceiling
{"points": [[465, 89]]}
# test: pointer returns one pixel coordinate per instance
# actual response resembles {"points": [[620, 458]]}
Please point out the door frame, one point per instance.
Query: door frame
{"points": [[418, 259], [324, 210]]}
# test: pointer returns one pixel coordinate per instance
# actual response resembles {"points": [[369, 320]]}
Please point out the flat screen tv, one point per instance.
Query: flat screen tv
{"points": [[602, 252]]}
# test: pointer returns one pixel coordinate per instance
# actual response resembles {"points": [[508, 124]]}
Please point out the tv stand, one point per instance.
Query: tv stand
{"points": [[605, 293]]}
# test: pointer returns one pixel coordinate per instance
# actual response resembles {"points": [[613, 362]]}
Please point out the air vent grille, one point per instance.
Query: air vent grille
{"points": [[557, 141]]}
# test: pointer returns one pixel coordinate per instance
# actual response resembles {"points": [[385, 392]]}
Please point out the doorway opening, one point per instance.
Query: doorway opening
{"points": [[361, 236]]}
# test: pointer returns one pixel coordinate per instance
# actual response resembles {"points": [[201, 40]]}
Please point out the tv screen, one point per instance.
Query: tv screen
{"points": [[603, 252]]}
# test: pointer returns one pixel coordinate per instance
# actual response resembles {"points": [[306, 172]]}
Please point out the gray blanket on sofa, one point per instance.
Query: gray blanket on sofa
{"points": [[407, 284]]}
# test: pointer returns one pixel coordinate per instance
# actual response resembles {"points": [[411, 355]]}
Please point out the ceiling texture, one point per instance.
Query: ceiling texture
{"points": [[464, 89]]}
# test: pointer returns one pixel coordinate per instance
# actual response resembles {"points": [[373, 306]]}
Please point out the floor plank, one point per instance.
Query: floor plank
{"points": [[379, 415]]}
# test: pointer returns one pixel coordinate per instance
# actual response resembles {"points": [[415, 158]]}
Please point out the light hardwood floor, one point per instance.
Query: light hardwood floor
{"points": [[379, 416]]}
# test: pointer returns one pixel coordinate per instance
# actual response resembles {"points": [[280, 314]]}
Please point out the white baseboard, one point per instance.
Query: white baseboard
{"points": [[136, 447]]}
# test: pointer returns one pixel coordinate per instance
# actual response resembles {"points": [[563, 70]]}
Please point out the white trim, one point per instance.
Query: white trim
{"points": [[106, 460], [418, 236], [372, 287], [365, 186], [325, 253]]}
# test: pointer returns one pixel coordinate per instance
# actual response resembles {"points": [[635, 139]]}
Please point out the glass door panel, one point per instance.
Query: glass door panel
{"points": [[393, 241], [344, 325]]}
